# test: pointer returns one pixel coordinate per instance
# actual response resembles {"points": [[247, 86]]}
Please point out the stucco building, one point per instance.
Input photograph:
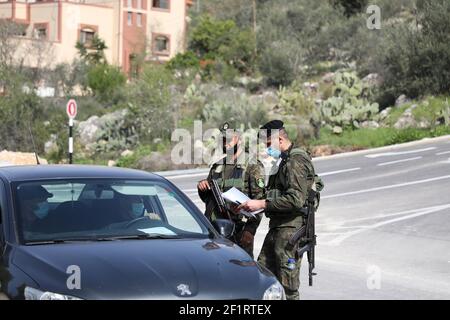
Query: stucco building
{"points": [[155, 29]]}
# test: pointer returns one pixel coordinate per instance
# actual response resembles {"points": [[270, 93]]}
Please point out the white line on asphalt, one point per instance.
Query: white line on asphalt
{"points": [[188, 176], [385, 187], [387, 154], [338, 171], [398, 161], [442, 153], [380, 216], [423, 212]]}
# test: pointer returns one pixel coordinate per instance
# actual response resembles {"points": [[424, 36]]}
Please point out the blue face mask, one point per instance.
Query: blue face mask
{"points": [[274, 153], [41, 210]]}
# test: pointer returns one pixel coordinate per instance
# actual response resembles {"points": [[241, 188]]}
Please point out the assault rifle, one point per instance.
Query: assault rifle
{"points": [[218, 199], [306, 235]]}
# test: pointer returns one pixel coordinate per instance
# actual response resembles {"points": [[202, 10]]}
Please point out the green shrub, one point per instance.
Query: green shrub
{"points": [[105, 80], [237, 110], [149, 100], [213, 39], [416, 60], [181, 61], [276, 64]]}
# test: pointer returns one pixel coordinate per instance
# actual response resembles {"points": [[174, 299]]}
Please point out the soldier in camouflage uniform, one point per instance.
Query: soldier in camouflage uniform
{"points": [[244, 175], [287, 192]]}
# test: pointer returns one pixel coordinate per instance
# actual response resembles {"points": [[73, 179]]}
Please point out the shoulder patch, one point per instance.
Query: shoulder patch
{"points": [[260, 182]]}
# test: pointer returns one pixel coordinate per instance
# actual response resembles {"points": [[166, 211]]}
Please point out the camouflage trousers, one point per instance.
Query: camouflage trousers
{"points": [[275, 255]]}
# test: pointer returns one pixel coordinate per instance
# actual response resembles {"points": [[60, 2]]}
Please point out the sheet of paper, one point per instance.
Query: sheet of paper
{"points": [[158, 230], [237, 197]]}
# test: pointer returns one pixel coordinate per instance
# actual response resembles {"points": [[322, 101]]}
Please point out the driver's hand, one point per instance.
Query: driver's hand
{"points": [[153, 216], [203, 185]]}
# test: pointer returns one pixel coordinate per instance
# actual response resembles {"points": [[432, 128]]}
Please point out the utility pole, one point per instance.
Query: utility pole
{"points": [[255, 26]]}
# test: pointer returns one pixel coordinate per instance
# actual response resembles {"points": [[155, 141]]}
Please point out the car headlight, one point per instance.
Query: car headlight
{"points": [[35, 294], [275, 292]]}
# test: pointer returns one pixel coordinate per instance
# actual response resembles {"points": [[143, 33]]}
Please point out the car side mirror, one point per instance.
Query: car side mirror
{"points": [[224, 227]]}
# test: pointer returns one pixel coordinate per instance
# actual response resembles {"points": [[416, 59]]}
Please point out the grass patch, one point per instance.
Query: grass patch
{"points": [[430, 109], [373, 138]]}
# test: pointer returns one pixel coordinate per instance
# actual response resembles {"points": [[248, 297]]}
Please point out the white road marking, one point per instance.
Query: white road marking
{"points": [[398, 161], [338, 171], [442, 153], [422, 212], [385, 187], [380, 216], [187, 176], [388, 154]]}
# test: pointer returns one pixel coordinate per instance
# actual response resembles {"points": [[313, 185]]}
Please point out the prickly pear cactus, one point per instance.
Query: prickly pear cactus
{"points": [[350, 104]]}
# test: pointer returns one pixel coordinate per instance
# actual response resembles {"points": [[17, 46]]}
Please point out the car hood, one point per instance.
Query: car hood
{"points": [[145, 269]]}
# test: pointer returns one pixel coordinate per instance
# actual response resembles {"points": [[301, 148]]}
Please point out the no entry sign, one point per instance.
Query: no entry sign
{"points": [[71, 109]]}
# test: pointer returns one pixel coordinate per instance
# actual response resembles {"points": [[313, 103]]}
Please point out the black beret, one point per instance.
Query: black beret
{"points": [[272, 125]]}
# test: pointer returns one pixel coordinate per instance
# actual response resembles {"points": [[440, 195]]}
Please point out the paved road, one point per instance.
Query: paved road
{"points": [[383, 225]]}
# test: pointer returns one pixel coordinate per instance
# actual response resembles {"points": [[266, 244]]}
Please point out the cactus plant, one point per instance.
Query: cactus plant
{"points": [[349, 105]]}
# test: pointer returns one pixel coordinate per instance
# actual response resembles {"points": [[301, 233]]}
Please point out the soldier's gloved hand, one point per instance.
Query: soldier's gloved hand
{"points": [[203, 185], [247, 238]]}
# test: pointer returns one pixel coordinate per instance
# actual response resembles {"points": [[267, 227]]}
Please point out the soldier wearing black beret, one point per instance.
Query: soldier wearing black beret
{"points": [[286, 196]]}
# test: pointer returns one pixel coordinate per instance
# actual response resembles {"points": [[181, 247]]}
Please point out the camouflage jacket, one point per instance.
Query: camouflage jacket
{"points": [[247, 177], [288, 188]]}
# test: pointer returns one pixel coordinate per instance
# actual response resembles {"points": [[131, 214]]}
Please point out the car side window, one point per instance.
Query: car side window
{"points": [[176, 214]]}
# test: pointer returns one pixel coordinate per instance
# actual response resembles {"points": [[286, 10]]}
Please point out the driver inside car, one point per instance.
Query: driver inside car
{"points": [[33, 203]]}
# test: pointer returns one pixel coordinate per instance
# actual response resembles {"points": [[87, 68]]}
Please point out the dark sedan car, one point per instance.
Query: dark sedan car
{"points": [[87, 232]]}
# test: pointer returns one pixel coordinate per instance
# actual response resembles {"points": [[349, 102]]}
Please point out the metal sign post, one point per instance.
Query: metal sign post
{"points": [[71, 110]]}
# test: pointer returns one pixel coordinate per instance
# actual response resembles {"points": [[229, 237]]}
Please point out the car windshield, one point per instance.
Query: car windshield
{"points": [[80, 210]]}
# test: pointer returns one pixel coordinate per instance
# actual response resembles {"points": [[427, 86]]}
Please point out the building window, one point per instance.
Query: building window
{"points": [[129, 3], [161, 4], [139, 4], [86, 36], [130, 18], [40, 31], [139, 19], [161, 45]]}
